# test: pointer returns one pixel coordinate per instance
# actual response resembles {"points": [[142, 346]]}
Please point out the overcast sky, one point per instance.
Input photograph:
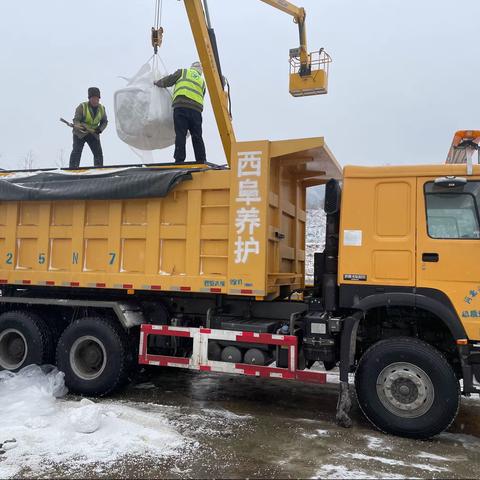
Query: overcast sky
{"points": [[406, 73]]}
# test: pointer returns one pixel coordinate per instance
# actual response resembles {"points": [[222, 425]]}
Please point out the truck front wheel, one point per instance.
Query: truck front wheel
{"points": [[406, 387], [94, 355]]}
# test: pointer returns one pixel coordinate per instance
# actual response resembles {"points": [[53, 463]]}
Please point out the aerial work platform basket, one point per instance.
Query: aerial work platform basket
{"points": [[310, 80]]}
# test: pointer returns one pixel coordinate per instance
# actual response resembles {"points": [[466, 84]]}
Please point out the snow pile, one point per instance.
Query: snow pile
{"points": [[40, 429], [143, 112], [87, 418], [315, 240]]}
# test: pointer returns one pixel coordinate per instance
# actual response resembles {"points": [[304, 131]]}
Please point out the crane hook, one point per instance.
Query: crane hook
{"points": [[157, 38]]}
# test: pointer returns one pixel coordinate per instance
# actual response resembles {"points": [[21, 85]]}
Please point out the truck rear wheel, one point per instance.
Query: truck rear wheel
{"points": [[406, 387], [94, 355], [25, 339]]}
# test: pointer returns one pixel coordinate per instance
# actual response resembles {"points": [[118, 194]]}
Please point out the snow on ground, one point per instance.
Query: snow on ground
{"points": [[181, 424], [39, 427], [340, 471], [315, 239]]}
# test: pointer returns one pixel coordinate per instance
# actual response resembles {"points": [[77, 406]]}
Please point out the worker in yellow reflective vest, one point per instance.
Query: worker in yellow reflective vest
{"points": [[188, 99], [89, 122]]}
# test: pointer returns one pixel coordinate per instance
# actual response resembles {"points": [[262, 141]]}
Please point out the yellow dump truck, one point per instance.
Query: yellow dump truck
{"points": [[202, 267]]}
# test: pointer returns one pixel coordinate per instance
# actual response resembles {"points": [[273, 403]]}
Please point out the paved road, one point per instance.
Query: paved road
{"points": [[242, 427]]}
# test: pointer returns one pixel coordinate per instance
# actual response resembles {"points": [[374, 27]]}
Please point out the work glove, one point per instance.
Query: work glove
{"points": [[157, 83], [98, 131]]}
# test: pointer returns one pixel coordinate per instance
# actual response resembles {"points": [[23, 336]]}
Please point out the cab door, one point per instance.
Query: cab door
{"points": [[448, 244]]}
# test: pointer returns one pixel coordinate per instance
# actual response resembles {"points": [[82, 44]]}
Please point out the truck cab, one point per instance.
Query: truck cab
{"points": [[413, 230], [409, 286]]}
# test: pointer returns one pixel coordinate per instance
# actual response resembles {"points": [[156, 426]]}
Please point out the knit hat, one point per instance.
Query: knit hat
{"points": [[93, 92]]}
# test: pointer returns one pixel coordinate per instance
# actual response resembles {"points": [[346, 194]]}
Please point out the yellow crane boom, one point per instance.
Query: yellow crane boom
{"points": [[299, 15], [308, 73], [207, 55]]}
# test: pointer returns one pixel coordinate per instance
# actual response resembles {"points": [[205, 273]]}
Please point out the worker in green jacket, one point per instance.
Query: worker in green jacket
{"points": [[89, 122], [188, 99]]}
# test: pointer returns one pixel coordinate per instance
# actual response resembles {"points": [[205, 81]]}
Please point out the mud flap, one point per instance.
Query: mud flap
{"points": [[344, 405], [347, 357]]}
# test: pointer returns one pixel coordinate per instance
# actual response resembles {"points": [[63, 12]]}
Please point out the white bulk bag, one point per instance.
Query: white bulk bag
{"points": [[143, 112]]}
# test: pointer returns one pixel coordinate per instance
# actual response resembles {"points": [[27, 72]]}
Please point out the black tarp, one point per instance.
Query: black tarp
{"points": [[125, 183]]}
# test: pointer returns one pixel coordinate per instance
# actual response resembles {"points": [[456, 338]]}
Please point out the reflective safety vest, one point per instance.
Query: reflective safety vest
{"points": [[191, 85], [87, 115]]}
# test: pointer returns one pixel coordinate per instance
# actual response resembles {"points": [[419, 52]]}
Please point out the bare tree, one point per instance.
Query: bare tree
{"points": [[28, 161]]}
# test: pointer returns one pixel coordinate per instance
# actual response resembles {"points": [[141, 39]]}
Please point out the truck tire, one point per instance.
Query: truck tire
{"points": [[406, 387], [94, 354], [25, 339]]}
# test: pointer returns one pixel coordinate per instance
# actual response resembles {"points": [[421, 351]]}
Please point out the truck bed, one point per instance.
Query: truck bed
{"points": [[105, 229]]}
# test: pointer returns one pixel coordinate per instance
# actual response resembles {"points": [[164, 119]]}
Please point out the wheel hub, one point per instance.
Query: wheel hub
{"points": [[93, 356], [13, 349], [88, 357], [405, 390]]}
